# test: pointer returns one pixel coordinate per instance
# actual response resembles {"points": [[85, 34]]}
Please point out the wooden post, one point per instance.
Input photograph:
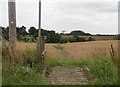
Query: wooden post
{"points": [[39, 49], [43, 51], [39, 39], [1, 56], [12, 27], [39, 32], [118, 42], [40, 43]]}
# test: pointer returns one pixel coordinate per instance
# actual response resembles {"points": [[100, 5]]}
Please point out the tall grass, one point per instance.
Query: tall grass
{"points": [[24, 70], [21, 75], [59, 47], [113, 55], [102, 70]]}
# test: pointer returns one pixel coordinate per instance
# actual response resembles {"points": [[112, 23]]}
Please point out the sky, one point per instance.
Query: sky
{"points": [[91, 16]]}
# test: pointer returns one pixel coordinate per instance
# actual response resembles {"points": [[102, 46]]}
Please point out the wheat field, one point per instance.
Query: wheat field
{"points": [[75, 50], [78, 54]]}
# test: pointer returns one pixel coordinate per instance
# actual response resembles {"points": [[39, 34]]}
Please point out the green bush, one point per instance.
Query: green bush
{"points": [[77, 39], [90, 39], [117, 37], [81, 39], [72, 39], [53, 38], [26, 38], [64, 40]]}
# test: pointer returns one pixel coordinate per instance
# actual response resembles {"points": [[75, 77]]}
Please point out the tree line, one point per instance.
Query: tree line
{"points": [[52, 37], [30, 35]]}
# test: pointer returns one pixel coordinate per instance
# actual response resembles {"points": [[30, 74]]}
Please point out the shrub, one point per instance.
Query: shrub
{"points": [[72, 39], [64, 40], [117, 37], [79, 39], [90, 39], [104, 71], [53, 38], [26, 39]]}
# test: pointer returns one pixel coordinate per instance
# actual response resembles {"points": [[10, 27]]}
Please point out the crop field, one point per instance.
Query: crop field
{"points": [[76, 50], [89, 63]]}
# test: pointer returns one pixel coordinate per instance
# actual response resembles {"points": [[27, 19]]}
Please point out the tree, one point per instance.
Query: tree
{"points": [[88, 34], [62, 32], [34, 32], [44, 32], [5, 32], [79, 39], [21, 31], [78, 32], [53, 38], [117, 37]]}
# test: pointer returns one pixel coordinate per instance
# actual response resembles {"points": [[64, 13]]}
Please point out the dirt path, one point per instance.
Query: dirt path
{"points": [[64, 55], [66, 75], [60, 75]]}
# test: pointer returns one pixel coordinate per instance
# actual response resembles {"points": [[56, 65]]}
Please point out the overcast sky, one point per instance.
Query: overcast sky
{"points": [[92, 16]]}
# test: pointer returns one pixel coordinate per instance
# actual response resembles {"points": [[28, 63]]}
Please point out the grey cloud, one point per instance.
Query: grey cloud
{"points": [[71, 7], [88, 16], [93, 17]]}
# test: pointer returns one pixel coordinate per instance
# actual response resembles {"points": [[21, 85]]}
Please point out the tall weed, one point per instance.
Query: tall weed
{"points": [[104, 71]]}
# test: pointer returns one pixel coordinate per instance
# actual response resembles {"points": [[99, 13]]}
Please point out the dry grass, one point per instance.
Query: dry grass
{"points": [[23, 46], [76, 50], [84, 49], [106, 70]]}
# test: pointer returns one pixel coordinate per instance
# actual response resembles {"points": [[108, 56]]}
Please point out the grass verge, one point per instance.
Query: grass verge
{"points": [[21, 75], [102, 70], [23, 70]]}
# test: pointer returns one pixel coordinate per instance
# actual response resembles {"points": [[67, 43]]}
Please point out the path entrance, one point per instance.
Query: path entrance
{"points": [[66, 75]]}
